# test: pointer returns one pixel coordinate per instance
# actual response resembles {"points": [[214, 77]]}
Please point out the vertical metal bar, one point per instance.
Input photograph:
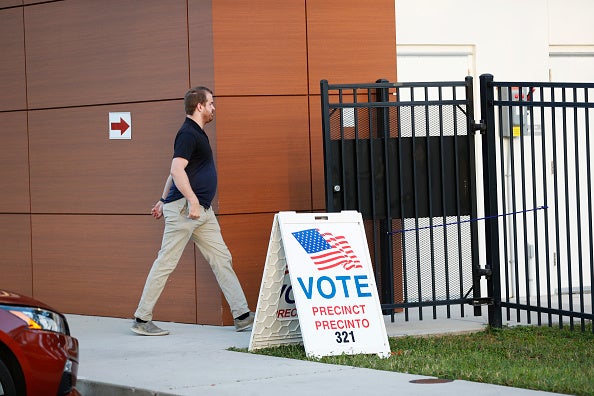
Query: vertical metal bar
{"points": [[567, 197], [389, 223], [400, 187], [377, 235], [490, 180], [590, 217], [556, 195], [386, 138], [514, 221], [357, 150], [546, 204], [579, 206], [370, 127], [415, 205], [505, 93], [461, 274], [430, 202], [328, 159], [343, 182], [444, 203], [534, 206], [523, 183], [386, 223], [474, 235]]}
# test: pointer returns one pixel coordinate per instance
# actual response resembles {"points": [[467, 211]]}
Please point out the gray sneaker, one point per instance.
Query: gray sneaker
{"points": [[148, 329], [244, 324]]}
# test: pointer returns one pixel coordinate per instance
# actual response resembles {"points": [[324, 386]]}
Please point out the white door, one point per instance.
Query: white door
{"points": [[573, 64]]}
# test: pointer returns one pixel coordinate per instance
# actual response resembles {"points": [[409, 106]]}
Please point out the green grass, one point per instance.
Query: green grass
{"points": [[541, 358]]}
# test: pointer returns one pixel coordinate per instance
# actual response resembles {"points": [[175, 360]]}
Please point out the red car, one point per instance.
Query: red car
{"points": [[38, 357]]}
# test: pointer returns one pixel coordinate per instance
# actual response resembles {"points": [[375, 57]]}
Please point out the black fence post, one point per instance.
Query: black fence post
{"points": [[491, 205], [385, 225]]}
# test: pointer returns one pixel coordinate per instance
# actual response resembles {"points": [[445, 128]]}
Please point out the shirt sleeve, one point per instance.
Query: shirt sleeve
{"points": [[184, 146]]}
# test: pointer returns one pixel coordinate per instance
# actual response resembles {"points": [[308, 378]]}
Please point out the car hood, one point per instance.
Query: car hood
{"points": [[12, 298]]}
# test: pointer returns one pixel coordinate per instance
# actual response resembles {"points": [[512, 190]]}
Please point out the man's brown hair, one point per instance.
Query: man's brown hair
{"points": [[194, 97]]}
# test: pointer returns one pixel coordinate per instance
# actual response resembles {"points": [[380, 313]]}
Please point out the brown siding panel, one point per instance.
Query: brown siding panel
{"points": [[318, 187], [12, 60], [263, 154], [76, 168], [200, 39], [209, 298], [247, 237], [16, 272], [260, 47], [107, 51], [14, 163], [349, 41], [11, 3], [98, 264]]}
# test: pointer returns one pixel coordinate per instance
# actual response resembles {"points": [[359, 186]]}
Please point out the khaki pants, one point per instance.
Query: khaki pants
{"points": [[206, 234]]}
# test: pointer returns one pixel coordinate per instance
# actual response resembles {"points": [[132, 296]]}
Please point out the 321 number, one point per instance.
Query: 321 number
{"points": [[343, 337]]}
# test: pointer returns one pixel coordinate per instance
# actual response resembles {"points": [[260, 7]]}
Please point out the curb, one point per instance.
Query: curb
{"points": [[87, 388]]}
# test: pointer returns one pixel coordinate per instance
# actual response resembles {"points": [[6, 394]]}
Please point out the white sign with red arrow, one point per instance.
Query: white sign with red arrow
{"points": [[120, 125]]}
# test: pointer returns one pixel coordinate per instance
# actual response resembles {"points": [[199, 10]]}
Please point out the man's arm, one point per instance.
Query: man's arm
{"points": [[167, 187], [157, 210], [178, 173]]}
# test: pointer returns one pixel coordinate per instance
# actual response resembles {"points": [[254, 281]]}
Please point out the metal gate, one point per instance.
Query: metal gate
{"points": [[538, 177], [403, 156]]}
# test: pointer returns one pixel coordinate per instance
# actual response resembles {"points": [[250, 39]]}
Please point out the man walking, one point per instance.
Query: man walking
{"points": [[186, 206]]}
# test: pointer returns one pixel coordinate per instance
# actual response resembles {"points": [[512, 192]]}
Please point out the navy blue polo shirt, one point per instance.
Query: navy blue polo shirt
{"points": [[192, 144]]}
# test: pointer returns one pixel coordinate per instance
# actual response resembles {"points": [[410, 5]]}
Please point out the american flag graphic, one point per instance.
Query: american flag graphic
{"points": [[326, 250]]}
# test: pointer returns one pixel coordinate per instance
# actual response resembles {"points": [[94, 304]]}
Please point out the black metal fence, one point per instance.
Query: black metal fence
{"points": [[538, 194], [403, 154]]}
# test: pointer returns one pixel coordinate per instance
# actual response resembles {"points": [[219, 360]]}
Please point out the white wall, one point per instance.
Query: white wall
{"points": [[527, 40], [511, 39]]}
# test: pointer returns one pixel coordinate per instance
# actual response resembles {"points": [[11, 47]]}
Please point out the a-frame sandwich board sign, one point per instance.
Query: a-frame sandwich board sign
{"points": [[276, 321], [318, 287]]}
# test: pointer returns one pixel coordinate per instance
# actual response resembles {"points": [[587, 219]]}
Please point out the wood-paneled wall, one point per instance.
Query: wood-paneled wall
{"points": [[76, 230]]}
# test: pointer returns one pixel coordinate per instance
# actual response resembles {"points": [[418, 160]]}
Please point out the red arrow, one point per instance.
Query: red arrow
{"points": [[121, 126]]}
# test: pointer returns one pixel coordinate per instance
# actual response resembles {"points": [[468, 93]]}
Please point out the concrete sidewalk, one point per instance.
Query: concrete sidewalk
{"points": [[194, 360]]}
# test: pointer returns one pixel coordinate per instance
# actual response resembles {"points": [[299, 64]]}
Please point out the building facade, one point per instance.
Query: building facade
{"points": [[76, 230]]}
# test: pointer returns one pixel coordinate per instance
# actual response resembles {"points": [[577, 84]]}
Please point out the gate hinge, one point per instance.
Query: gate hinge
{"points": [[479, 126], [486, 272]]}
